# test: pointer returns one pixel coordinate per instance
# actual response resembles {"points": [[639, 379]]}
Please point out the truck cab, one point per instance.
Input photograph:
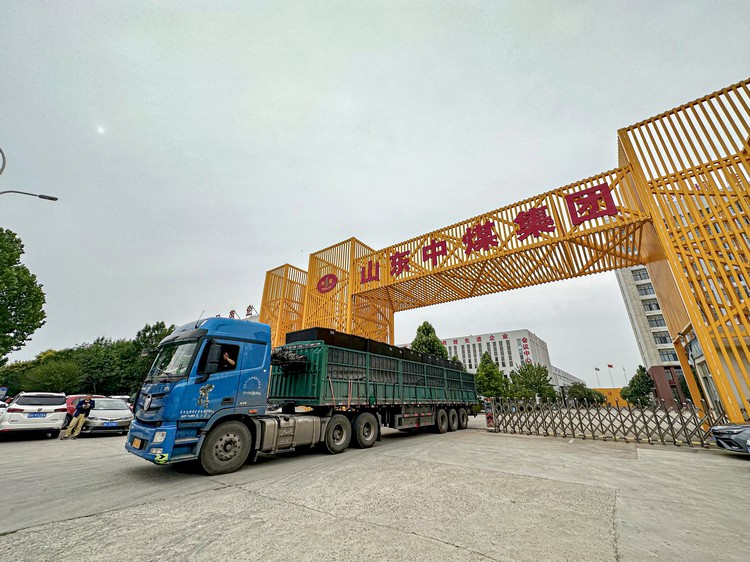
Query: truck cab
{"points": [[206, 372]]}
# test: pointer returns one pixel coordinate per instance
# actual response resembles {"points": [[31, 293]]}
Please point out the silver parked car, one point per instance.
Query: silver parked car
{"points": [[735, 438], [110, 415], [34, 411]]}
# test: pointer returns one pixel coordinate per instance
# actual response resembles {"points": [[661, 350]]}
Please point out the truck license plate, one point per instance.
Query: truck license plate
{"points": [[137, 443], [37, 415]]}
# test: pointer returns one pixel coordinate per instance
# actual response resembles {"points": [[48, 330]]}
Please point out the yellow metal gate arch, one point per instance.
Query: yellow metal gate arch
{"points": [[679, 202]]}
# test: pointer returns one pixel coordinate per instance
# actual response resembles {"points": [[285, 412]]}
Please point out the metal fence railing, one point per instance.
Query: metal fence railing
{"points": [[654, 423]]}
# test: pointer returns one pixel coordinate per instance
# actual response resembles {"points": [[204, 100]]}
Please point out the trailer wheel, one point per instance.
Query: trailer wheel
{"points": [[452, 420], [365, 430], [463, 418], [225, 448], [338, 434], [441, 421]]}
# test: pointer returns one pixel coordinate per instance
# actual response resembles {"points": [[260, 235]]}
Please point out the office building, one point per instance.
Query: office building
{"points": [[650, 329]]}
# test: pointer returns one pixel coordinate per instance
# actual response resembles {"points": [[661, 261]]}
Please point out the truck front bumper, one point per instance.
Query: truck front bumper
{"points": [[154, 444]]}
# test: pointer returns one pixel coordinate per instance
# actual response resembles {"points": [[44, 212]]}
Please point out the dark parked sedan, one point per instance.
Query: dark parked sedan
{"points": [[735, 438]]}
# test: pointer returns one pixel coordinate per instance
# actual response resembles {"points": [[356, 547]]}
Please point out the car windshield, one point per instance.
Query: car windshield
{"points": [[172, 362], [100, 404], [40, 400]]}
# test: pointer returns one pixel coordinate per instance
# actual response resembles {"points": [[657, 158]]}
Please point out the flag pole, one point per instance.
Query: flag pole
{"points": [[596, 374], [610, 376]]}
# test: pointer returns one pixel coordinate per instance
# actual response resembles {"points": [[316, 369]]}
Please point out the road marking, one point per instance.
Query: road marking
{"points": [[569, 442]]}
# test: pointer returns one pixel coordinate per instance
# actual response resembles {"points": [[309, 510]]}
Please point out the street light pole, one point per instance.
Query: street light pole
{"points": [[3, 161], [47, 197]]}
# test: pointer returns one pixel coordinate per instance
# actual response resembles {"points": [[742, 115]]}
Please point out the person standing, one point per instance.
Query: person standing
{"points": [[83, 409]]}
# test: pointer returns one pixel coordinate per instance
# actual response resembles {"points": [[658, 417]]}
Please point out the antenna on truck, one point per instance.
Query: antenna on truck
{"points": [[199, 317]]}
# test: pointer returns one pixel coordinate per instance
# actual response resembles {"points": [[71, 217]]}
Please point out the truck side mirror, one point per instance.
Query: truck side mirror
{"points": [[212, 363]]}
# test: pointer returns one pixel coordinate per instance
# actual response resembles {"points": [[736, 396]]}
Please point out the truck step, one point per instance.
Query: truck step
{"points": [[186, 441]]}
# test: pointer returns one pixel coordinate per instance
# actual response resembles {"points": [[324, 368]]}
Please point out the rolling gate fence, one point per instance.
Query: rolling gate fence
{"points": [[647, 424]]}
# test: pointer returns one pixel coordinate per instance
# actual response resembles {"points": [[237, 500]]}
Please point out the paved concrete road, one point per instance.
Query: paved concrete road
{"points": [[468, 495]]}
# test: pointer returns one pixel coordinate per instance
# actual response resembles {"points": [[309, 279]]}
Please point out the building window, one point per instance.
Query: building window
{"points": [[640, 275], [651, 304], [656, 321], [670, 376], [661, 338], [645, 289], [667, 355], [510, 357]]}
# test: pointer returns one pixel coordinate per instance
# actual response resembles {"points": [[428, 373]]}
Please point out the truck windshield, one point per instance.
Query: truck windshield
{"points": [[172, 363]]}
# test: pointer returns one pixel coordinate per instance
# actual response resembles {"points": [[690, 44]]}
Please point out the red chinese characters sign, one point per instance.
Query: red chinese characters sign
{"points": [[591, 203], [584, 205], [533, 222]]}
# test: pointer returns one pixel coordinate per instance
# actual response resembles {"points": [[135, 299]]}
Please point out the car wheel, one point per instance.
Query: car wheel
{"points": [[463, 418], [365, 429], [225, 448], [441, 421], [452, 420], [54, 434], [338, 434]]}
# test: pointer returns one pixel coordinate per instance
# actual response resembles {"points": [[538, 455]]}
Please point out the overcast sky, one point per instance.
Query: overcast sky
{"points": [[196, 145]]}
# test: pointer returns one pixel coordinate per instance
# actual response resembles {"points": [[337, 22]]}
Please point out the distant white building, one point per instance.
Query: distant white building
{"points": [[508, 350]]}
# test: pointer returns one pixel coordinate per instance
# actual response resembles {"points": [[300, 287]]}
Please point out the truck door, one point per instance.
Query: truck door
{"points": [[253, 377], [207, 394]]}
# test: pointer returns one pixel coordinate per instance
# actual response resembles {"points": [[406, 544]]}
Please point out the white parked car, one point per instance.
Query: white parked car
{"points": [[34, 411], [109, 415]]}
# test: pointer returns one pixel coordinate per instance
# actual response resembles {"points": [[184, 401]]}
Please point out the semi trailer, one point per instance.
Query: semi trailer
{"points": [[207, 395]]}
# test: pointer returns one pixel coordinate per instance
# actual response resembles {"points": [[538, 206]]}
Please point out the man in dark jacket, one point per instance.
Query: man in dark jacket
{"points": [[83, 409]]}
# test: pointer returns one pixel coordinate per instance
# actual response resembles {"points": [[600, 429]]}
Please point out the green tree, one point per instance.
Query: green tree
{"points": [[21, 297], [144, 347], [530, 380], [490, 380], [53, 376], [684, 387], [640, 387], [580, 392], [428, 342], [11, 375]]}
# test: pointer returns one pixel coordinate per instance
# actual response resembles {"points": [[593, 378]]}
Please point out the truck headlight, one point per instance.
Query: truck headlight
{"points": [[159, 437], [147, 402]]}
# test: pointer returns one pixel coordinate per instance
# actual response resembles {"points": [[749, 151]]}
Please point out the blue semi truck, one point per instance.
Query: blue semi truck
{"points": [[206, 396]]}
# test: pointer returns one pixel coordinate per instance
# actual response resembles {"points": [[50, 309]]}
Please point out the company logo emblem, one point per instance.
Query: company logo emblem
{"points": [[203, 393], [327, 283]]}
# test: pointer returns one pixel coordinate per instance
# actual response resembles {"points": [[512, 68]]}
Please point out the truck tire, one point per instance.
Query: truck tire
{"points": [[441, 421], [338, 434], [225, 448], [365, 430], [452, 420], [463, 418]]}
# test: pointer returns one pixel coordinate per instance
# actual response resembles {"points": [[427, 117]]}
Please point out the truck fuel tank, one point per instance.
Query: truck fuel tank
{"points": [[287, 431]]}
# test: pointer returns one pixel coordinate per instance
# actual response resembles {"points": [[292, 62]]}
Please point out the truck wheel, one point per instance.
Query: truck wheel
{"points": [[452, 420], [365, 429], [338, 434], [463, 418], [225, 448], [441, 421]]}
